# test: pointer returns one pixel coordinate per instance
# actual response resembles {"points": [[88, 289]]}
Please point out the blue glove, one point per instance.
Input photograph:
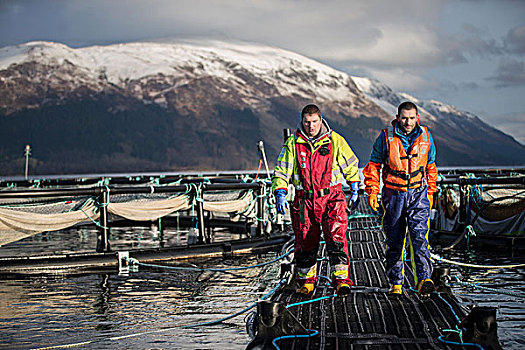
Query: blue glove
{"points": [[354, 198], [282, 203]]}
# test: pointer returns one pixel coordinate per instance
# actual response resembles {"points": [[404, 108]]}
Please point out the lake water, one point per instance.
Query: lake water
{"points": [[510, 313], [146, 309], [141, 310]]}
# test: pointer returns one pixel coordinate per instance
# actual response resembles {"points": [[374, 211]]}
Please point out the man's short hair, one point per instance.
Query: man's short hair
{"points": [[310, 109], [406, 105]]}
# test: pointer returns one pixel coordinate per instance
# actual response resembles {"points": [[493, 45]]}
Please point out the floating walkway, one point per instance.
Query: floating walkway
{"points": [[367, 318], [91, 262]]}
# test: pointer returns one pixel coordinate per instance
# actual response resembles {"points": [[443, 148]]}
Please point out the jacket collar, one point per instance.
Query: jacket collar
{"points": [[324, 131]]}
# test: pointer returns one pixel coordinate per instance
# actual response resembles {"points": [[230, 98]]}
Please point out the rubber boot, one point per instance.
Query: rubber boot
{"points": [[306, 289], [396, 289], [425, 288], [343, 289]]}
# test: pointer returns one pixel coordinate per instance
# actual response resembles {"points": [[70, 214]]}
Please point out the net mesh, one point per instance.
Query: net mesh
{"points": [[21, 218]]}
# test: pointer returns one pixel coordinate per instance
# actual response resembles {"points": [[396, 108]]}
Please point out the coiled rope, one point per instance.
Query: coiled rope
{"points": [[311, 332], [457, 330]]}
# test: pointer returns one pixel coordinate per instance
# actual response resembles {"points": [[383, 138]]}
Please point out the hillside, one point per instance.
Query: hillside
{"points": [[198, 105]]}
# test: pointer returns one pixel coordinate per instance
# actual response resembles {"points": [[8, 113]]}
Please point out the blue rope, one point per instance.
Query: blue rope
{"points": [[311, 333], [457, 330], [450, 306], [264, 297], [326, 278], [441, 339], [311, 301]]}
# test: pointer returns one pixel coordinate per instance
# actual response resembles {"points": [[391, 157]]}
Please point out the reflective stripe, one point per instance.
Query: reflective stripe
{"points": [[424, 134], [284, 164], [307, 272], [349, 162], [281, 175], [340, 271], [335, 173]]}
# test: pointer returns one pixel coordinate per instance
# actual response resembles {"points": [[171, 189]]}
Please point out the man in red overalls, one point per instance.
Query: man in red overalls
{"points": [[317, 160]]}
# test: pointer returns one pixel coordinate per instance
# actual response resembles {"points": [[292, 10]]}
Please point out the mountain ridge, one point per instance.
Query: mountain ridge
{"points": [[217, 98]]}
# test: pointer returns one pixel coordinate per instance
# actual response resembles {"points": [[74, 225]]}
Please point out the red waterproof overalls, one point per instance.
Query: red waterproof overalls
{"points": [[319, 205]]}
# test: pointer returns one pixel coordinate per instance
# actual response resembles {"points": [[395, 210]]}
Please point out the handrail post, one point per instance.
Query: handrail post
{"points": [[286, 134], [200, 214], [463, 206], [103, 229], [208, 228], [260, 209], [161, 232]]}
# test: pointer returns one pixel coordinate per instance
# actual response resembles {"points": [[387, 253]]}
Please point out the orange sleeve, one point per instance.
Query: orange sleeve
{"points": [[372, 174], [432, 172]]}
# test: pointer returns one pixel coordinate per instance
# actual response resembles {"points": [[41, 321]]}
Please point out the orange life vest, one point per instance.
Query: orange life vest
{"points": [[403, 169]]}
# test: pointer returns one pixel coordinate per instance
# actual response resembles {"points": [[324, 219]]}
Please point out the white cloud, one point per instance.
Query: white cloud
{"points": [[391, 45], [378, 32], [425, 48]]}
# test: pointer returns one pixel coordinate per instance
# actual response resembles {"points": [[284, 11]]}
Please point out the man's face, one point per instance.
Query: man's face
{"points": [[311, 124], [407, 120]]}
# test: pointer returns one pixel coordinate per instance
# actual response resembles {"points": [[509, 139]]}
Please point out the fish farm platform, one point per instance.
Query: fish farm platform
{"points": [[368, 317], [91, 262]]}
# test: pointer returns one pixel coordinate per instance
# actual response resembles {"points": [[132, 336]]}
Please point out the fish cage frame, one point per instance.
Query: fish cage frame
{"points": [[103, 192]]}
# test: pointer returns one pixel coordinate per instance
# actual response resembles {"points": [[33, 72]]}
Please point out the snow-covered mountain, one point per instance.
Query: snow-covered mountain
{"points": [[166, 106], [461, 137], [152, 72]]}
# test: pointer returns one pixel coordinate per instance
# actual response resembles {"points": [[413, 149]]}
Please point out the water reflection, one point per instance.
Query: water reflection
{"points": [[139, 311], [145, 309], [510, 309]]}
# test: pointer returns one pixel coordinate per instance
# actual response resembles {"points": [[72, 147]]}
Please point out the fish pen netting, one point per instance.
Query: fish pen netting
{"points": [[21, 218], [490, 209]]}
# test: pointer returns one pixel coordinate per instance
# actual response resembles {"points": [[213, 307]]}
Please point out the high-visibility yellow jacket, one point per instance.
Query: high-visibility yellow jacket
{"points": [[344, 161]]}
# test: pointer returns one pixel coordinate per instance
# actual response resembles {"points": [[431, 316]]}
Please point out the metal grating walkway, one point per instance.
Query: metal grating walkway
{"points": [[368, 318]]}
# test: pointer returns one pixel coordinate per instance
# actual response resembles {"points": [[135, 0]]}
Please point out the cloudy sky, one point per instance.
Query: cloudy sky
{"points": [[468, 53]]}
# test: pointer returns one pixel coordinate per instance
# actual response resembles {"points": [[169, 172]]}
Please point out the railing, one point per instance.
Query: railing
{"points": [[464, 182], [103, 193]]}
